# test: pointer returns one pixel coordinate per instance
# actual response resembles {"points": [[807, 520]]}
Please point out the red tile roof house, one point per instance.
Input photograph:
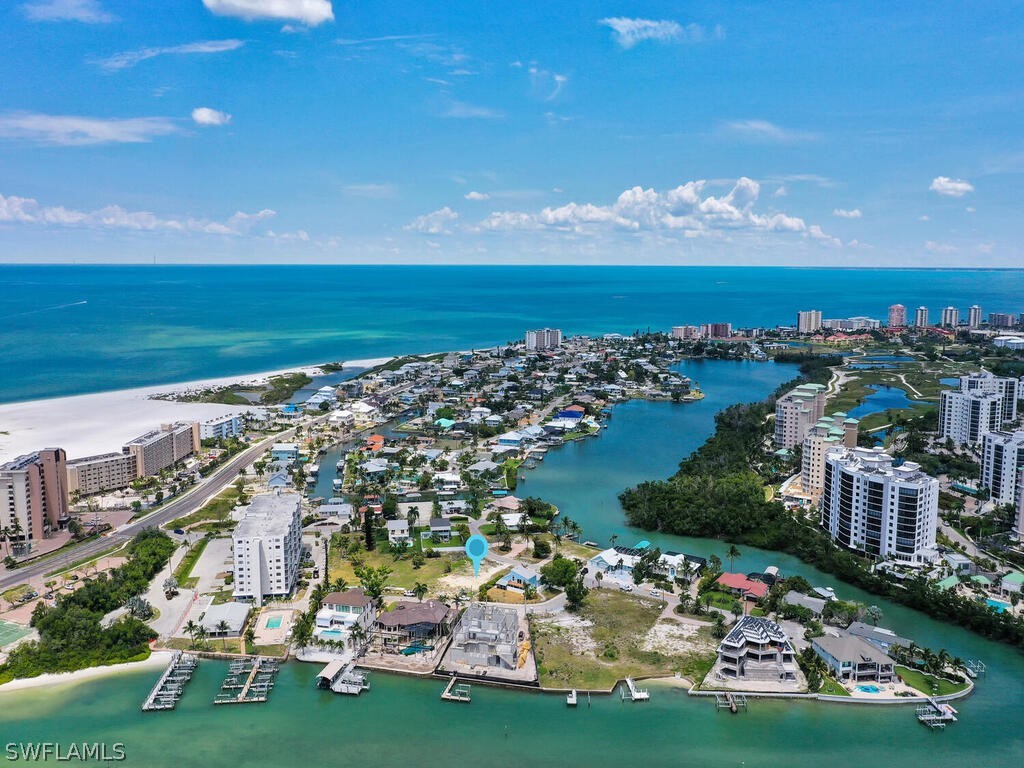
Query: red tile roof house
{"points": [[741, 585]]}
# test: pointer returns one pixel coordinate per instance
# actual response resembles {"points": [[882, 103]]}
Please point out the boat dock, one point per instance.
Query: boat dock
{"points": [[975, 668], [936, 714], [570, 699], [731, 701], [342, 678], [248, 681], [456, 691], [633, 693], [171, 685]]}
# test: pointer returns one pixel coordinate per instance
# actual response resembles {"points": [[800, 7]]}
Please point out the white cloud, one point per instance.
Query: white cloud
{"points": [[628, 32], [842, 213], [950, 187], [971, 209], [207, 116], [781, 191], [546, 85], [763, 131], [436, 223], [460, 110], [924, 217], [131, 58], [74, 131], [85, 11], [26, 210], [381, 39], [474, 195], [683, 211], [309, 12]]}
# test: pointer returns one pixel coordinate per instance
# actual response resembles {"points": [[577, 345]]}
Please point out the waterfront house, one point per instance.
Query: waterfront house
{"points": [[234, 616], [619, 561], [342, 511], [742, 586], [880, 637], [482, 467], [398, 532], [340, 613], [286, 452], [410, 624], [814, 604], [486, 637], [853, 659], [757, 649], [510, 440]]}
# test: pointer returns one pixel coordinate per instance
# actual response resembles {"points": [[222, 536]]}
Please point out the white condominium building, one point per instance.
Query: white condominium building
{"points": [[796, 412], [808, 321], [950, 317], [921, 317], [544, 338], [835, 431], [965, 417], [268, 547], [106, 472], [974, 316], [1002, 458], [221, 428], [1007, 388], [885, 511]]}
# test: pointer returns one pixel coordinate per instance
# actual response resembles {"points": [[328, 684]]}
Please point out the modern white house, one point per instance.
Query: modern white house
{"points": [[854, 660], [618, 562], [267, 546], [398, 532], [340, 613]]}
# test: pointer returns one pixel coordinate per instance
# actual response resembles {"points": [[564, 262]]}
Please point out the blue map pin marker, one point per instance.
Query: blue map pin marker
{"points": [[476, 550]]}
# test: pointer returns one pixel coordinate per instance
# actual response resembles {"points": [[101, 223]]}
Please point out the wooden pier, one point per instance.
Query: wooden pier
{"points": [[248, 681], [633, 693], [731, 701], [456, 691], [171, 685]]}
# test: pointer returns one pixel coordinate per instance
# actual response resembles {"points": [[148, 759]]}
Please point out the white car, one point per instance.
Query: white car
{"points": [[655, 593], [626, 587]]}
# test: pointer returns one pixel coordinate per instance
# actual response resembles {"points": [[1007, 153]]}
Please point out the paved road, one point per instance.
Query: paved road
{"points": [[184, 505]]}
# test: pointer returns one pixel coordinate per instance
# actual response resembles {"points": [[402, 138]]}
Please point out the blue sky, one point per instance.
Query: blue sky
{"points": [[238, 131]]}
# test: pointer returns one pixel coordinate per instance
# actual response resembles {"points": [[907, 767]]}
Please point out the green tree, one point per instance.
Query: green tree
{"points": [[420, 590], [374, 581], [733, 554]]}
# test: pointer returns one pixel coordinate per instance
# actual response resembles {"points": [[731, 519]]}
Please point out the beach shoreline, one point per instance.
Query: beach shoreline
{"points": [[52, 679], [101, 422]]}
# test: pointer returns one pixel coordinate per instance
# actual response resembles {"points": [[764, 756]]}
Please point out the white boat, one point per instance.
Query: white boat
{"points": [[337, 484], [570, 699], [313, 469], [340, 465]]}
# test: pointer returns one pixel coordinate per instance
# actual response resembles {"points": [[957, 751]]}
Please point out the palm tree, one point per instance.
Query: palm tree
{"points": [[732, 553], [874, 614], [201, 633], [191, 628], [222, 630], [339, 584], [420, 590], [250, 639], [612, 539]]}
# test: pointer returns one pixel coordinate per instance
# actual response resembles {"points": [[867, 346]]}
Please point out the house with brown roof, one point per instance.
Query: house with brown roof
{"points": [[344, 618], [413, 622]]}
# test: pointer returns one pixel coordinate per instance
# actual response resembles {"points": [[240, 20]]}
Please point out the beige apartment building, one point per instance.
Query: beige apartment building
{"points": [[106, 472], [164, 447], [34, 494], [835, 431], [796, 412]]}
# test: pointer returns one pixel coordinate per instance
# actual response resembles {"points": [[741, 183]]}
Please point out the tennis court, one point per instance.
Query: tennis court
{"points": [[10, 632]]}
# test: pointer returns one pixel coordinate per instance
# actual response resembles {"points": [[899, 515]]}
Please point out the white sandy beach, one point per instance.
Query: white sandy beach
{"points": [[86, 425], [156, 659]]}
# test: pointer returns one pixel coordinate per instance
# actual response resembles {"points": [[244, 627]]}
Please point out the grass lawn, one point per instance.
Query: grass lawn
{"points": [[184, 570], [722, 600], [403, 574], [595, 657], [929, 684], [216, 509], [572, 549], [832, 687], [12, 594]]}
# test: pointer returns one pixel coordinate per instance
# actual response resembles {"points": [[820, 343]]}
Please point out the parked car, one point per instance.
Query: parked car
{"points": [[626, 587], [655, 593]]}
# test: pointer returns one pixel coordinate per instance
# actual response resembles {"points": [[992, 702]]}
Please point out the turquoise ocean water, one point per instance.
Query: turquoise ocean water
{"points": [[73, 329]]}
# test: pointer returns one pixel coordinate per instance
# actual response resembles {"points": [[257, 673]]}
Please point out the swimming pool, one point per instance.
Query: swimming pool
{"points": [[999, 605], [869, 689], [274, 622], [331, 633]]}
